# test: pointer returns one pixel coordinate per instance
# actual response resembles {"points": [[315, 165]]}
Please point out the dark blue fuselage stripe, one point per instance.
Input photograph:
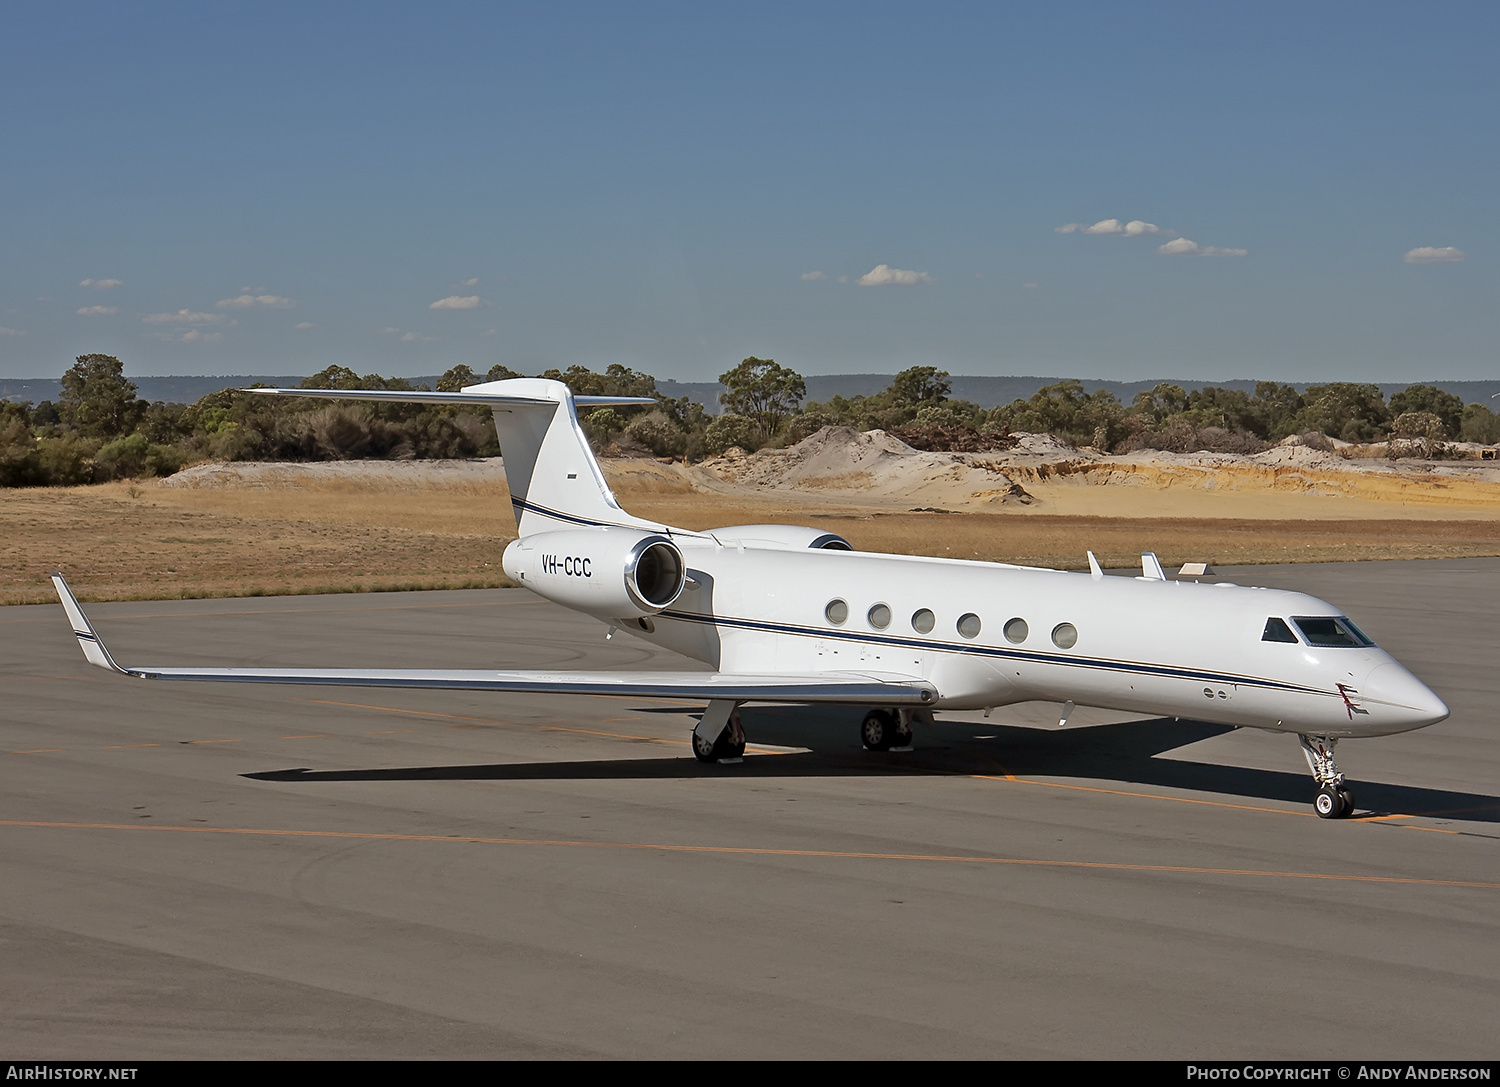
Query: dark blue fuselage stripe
{"points": [[532, 507], [1163, 670]]}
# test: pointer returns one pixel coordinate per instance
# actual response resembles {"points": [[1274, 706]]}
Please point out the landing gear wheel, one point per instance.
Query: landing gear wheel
{"points": [[878, 731], [703, 750], [728, 746], [902, 740], [725, 747], [1330, 804], [1348, 799]]}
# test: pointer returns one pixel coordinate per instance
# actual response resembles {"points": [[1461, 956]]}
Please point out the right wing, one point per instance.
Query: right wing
{"points": [[876, 688]]}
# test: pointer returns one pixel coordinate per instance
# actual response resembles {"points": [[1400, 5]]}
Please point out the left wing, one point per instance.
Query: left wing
{"points": [[878, 688]]}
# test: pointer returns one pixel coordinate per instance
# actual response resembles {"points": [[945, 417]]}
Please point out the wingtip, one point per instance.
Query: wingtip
{"points": [[88, 641]]}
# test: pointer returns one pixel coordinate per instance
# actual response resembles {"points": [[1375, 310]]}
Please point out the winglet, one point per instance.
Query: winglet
{"points": [[1094, 571], [88, 641]]}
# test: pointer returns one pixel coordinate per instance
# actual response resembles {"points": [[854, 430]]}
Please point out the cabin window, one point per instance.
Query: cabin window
{"points": [[1065, 635], [923, 621], [1016, 630], [968, 625], [879, 616], [1277, 631], [837, 611], [1331, 632]]}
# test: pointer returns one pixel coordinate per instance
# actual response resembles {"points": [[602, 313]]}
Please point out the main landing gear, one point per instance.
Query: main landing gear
{"points": [[890, 730], [719, 737], [1333, 800]]}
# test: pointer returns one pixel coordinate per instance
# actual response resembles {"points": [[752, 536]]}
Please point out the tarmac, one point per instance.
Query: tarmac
{"points": [[224, 870]]}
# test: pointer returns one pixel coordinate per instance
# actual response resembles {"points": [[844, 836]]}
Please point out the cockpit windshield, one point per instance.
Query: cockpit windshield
{"points": [[1329, 632]]}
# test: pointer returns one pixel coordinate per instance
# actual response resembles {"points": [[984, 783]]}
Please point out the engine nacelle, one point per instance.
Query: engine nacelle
{"points": [[609, 573], [792, 537]]}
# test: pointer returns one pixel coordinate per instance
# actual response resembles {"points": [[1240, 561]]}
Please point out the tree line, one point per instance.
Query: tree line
{"points": [[100, 430]]}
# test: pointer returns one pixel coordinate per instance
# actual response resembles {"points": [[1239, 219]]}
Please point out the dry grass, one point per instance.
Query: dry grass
{"points": [[145, 541]]}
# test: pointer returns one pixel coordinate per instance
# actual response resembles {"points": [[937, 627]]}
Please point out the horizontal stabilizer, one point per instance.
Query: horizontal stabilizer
{"points": [[419, 396]]}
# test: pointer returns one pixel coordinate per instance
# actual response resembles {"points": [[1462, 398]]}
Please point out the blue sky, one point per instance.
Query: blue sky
{"points": [[278, 187]]}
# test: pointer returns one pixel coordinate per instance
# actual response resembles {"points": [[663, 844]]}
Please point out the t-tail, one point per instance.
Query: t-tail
{"points": [[555, 482]]}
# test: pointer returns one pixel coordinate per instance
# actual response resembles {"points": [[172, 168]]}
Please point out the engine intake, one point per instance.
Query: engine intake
{"points": [[609, 572]]}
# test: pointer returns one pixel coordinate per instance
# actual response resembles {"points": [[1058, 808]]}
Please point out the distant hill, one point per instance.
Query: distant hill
{"points": [[987, 392]]}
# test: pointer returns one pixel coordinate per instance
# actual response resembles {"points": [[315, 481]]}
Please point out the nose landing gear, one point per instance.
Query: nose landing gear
{"points": [[1333, 800]]}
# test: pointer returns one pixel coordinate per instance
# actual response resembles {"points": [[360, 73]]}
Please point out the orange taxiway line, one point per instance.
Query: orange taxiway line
{"points": [[759, 851]]}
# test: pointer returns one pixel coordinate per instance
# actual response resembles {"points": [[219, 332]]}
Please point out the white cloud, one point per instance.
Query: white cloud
{"points": [[412, 337], [1135, 228], [470, 282], [187, 317], [1182, 247], [883, 275], [1429, 254], [302, 326], [101, 284], [813, 277], [11, 331], [454, 301], [192, 335], [98, 311], [249, 301], [389, 331]]}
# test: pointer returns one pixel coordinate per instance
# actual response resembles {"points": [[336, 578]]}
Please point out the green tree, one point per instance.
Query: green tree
{"points": [[762, 390], [97, 401], [1273, 410], [333, 377], [1346, 410], [1446, 406], [454, 380], [1159, 404], [921, 386]]}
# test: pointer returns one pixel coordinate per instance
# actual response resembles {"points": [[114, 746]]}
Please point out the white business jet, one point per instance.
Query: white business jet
{"points": [[789, 614]]}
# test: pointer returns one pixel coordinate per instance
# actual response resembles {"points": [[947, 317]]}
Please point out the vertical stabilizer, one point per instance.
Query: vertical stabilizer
{"points": [[555, 482]]}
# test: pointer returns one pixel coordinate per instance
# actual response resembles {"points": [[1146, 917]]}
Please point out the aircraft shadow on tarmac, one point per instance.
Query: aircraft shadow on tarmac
{"points": [[1114, 754]]}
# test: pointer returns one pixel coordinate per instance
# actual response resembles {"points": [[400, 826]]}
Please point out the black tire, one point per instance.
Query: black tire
{"points": [[1348, 799], [722, 748], [903, 737], [877, 731], [1329, 804]]}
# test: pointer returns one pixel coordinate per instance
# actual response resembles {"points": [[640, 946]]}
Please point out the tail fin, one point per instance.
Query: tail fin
{"points": [[555, 482]]}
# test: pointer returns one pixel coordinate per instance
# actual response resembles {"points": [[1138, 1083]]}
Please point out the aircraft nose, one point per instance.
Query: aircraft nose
{"points": [[1395, 686]]}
